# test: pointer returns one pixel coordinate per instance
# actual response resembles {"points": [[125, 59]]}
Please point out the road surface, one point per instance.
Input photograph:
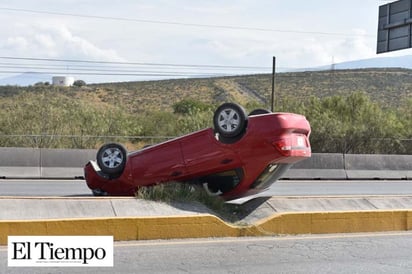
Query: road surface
{"points": [[74, 188], [349, 253]]}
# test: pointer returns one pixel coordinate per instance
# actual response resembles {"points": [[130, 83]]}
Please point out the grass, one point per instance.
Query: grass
{"points": [[187, 193]]}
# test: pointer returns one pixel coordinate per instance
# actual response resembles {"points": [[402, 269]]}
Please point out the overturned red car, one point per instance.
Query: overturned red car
{"points": [[242, 155]]}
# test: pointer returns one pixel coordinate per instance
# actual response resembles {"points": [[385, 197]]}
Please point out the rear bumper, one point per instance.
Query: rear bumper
{"points": [[97, 180], [94, 180]]}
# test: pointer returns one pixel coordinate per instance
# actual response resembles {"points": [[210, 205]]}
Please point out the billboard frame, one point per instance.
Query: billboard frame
{"points": [[394, 26]]}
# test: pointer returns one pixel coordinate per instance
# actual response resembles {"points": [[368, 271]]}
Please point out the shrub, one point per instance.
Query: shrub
{"points": [[79, 83], [188, 106]]}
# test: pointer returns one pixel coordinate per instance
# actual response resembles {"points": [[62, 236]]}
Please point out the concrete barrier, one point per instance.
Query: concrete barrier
{"points": [[17, 163], [319, 166], [69, 163], [64, 163], [395, 167]]}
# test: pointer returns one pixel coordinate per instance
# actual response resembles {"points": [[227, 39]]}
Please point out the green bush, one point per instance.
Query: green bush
{"points": [[79, 83], [354, 124], [189, 106]]}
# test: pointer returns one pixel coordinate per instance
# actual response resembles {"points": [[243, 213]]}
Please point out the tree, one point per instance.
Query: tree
{"points": [[79, 83]]}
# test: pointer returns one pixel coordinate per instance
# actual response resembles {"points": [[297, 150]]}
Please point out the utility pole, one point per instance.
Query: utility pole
{"points": [[272, 105]]}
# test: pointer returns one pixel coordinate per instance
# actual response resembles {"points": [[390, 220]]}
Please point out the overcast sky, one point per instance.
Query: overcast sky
{"points": [[299, 33]]}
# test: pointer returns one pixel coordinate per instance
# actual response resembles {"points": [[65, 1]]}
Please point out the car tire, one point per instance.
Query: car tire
{"points": [[259, 111], [230, 120], [111, 159]]}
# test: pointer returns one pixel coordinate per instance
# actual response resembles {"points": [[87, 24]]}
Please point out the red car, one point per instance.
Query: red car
{"points": [[242, 155]]}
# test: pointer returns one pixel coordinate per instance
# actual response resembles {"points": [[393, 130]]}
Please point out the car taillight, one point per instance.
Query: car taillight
{"points": [[292, 145], [284, 146]]}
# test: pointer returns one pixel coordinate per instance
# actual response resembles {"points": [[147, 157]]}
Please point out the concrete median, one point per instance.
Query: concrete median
{"points": [[135, 219], [204, 226]]}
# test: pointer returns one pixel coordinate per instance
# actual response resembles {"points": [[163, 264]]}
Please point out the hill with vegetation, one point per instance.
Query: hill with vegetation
{"points": [[386, 86], [354, 111]]}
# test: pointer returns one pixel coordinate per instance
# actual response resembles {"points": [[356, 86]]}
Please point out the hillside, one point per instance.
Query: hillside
{"points": [[350, 111], [386, 86]]}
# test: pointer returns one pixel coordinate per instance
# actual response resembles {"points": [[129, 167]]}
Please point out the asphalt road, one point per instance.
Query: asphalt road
{"points": [[74, 188], [349, 253]]}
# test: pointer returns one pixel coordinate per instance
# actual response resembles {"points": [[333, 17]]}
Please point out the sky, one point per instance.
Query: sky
{"points": [[137, 40]]}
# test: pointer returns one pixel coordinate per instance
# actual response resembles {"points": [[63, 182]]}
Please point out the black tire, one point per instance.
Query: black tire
{"points": [[111, 159], [230, 120], [259, 111]]}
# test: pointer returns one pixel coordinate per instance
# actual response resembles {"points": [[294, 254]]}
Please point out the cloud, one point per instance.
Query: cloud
{"points": [[17, 43], [55, 41], [291, 50], [357, 47]]}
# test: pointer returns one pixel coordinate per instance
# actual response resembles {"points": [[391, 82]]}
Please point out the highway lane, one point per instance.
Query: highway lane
{"points": [[44, 188], [282, 188], [348, 253]]}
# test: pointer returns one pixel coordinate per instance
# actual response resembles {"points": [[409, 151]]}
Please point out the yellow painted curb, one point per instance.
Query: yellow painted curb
{"points": [[135, 228], [203, 226], [337, 222]]}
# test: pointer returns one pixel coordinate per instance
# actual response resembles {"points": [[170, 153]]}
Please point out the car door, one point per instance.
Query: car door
{"points": [[203, 154], [157, 164]]}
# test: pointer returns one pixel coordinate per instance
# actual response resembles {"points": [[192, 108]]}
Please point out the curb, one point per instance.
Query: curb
{"points": [[205, 226]]}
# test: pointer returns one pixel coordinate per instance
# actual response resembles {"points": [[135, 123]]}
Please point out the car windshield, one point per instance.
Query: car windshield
{"points": [[271, 174]]}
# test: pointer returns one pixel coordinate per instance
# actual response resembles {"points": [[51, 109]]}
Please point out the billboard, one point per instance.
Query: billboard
{"points": [[394, 26]]}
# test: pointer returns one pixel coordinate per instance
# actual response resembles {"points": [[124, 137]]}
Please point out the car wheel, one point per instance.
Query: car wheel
{"points": [[259, 111], [111, 159], [230, 120]]}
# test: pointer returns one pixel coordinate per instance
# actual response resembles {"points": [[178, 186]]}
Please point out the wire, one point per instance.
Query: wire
{"points": [[184, 24], [98, 67], [105, 68], [130, 63], [111, 68], [65, 69], [118, 74]]}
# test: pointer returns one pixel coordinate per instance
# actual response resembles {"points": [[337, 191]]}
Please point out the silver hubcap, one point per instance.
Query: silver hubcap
{"points": [[228, 120], [112, 157]]}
